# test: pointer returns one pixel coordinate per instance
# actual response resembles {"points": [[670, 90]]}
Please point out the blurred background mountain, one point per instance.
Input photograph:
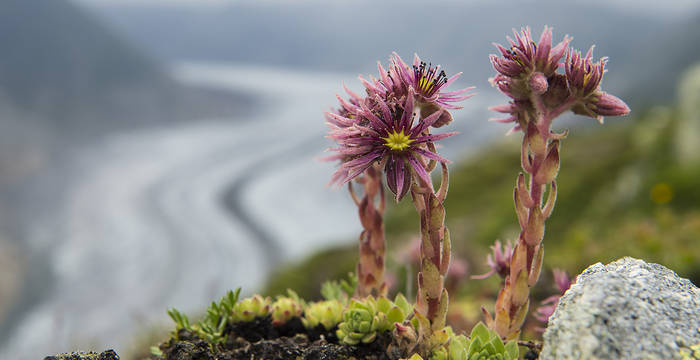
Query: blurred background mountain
{"points": [[644, 47], [60, 62], [143, 140]]}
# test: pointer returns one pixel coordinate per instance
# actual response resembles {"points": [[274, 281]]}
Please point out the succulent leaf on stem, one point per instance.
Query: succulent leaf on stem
{"points": [[370, 268]]}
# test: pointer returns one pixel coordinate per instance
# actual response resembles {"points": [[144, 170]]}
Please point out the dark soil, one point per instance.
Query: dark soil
{"points": [[259, 339]]}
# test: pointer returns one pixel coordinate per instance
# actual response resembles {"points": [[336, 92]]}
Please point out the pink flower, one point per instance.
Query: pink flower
{"points": [[499, 261], [562, 280], [583, 77], [388, 134], [524, 57], [527, 73], [427, 83], [526, 65], [384, 127], [548, 305]]}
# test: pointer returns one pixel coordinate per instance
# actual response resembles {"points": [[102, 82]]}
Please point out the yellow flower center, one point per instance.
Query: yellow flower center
{"points": [[429, 80], [425, 84], [397, 141]]}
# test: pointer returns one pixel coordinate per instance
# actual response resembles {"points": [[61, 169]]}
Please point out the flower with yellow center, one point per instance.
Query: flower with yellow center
{"points": [[428, 82], [397, 141], [389, 135]]}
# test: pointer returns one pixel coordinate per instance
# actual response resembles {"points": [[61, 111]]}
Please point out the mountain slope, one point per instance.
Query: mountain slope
{"points": [[60, 65]]}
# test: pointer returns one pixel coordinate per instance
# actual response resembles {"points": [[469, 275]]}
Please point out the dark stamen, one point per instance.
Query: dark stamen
{"points": [[428, 83]]}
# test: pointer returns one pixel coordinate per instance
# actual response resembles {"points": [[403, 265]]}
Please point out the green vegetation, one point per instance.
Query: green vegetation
{"points": [[327, 313], [482, 344], [212, 325], [285, 308], [250, 308], [364, 319]]}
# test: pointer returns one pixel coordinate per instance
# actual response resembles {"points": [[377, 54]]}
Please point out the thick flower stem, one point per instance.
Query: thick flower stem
{"points": [[432, 299], [540, 159], [370, 268]]}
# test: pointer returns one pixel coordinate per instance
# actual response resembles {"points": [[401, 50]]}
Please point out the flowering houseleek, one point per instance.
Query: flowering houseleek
{"points": [[389, 132], [527, 73]]}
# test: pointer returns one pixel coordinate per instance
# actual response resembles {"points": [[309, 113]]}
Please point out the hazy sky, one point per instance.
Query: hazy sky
{"points": [[668, 7]]}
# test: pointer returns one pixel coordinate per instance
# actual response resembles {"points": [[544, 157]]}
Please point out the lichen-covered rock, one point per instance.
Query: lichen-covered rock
{"points": [[628, 309]]}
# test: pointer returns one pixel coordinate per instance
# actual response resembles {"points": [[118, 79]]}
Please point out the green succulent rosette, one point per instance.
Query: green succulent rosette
{"points": [[360, 322], [363, 320], [483, 344], [250, 308], [327, 313], [284, 309]]}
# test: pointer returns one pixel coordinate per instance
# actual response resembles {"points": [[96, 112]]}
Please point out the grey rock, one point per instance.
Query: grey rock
{"points": [[628, 309]]}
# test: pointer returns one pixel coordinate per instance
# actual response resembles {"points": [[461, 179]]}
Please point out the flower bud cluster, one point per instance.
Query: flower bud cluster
{"points": [[527, 73]]}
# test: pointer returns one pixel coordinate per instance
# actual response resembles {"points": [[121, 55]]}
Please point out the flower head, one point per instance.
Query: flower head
{"points": [[426, 83], [526, 68], [388, 134], [390, 126], [527, 73], [548, 305], [525, 57], [389, 84], [499, 261], [583, 77], [562, 280]]}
